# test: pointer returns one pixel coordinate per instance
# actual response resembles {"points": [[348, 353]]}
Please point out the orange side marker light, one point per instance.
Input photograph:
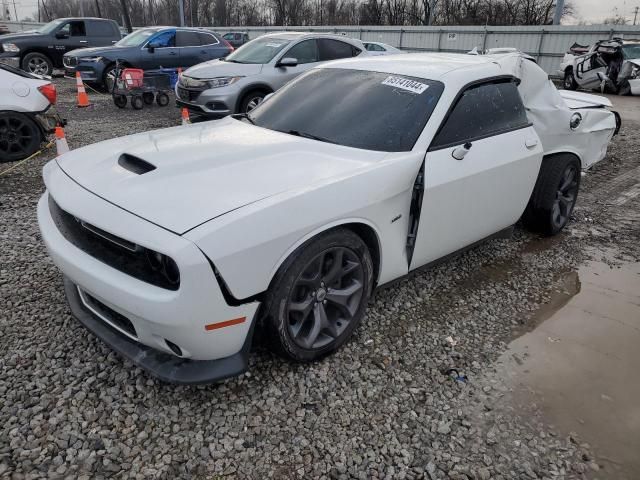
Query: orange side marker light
{"points": [[226, 323]]}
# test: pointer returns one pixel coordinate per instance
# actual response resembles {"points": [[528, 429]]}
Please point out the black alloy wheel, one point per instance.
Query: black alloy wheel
{"points": [[19, 137]]}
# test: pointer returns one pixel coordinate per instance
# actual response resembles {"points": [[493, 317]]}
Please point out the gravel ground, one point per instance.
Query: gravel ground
{"points": [[380, 408]]}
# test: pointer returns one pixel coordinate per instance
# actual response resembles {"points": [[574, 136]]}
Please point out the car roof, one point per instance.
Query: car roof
{"points": [[300, 35], [432, 66]]}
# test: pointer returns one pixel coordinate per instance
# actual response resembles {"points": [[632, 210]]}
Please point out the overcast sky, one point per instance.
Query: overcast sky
{"points": [[589, 10]]}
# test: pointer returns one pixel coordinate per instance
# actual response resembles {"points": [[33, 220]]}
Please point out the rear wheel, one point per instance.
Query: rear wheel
{"points": [[20, 137], [147, 98], [554, 195], [136, 102], [569, 82], [37, 63], [162, 99], [120, 101], [320, 295]]}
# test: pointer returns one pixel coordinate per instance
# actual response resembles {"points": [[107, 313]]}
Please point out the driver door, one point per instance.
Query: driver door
{"points": [[479, 171], [165, 54], [305, 52], [587, 70]]}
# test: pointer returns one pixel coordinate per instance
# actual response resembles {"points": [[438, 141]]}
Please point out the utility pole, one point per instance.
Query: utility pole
{"points": [[181, 3], [432, 11], [635, 14], [125, 13], [15, 11], [558, 13], [81, 2], [98, 9]]}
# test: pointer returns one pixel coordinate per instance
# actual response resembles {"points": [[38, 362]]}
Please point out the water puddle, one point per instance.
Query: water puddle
{"points": [[580, 362]]}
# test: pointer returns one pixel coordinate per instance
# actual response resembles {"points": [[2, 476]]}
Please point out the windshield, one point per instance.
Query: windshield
{"points": [[137, 38], [354, 108], [260, 50], [50, 27], [631, 51]]}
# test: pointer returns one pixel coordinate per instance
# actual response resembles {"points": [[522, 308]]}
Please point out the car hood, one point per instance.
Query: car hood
{"points": [[204, 171], [220, 68], [17, 37], [111, 51]]}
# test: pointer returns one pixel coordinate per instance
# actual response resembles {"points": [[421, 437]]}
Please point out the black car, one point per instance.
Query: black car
{"points": [[148, 48], [41, 51], [236, 39]]}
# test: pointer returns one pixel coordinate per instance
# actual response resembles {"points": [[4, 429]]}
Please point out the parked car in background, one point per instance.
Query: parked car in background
{"points": [[147, 48], [4, 29], [236, 39], [175, 243], [379, 48], [25, 116], [41, 51], [239, 82], [611, 65]]}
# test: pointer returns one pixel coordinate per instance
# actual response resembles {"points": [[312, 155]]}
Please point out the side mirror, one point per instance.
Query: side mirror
{"points": [[288, 62], [61, 35], [152, 47], [460, 152]]}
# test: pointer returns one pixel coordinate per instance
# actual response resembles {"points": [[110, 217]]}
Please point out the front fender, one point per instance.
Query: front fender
{"points": [[249, 245]]}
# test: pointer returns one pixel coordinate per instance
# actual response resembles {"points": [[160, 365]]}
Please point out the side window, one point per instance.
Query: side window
{"points": [[228, 36], [305, 52], [76, 29], [207, 39], [372, 47], [66, 28], [165, 39], [334, 49], [100, 29], [185, 38], [482, 111], [237, 36]]}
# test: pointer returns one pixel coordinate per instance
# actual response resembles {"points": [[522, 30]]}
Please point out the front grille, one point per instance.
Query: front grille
{"points": [[108, 313], [69, 61], [112, 250], [188, 95]]}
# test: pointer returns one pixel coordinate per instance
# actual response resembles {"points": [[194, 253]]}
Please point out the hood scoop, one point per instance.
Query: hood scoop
{"points": [[134, 164]]}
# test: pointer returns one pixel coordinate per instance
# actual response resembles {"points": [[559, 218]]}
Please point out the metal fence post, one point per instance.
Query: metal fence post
{"points": [[400, 45], [360, 34], [439, 39], [539, 52], [484, 39], [610, 34]]}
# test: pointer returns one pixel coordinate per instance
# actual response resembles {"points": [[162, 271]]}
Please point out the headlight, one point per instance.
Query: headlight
{"points": [[90, 59], [222, 81], [10, 47]]}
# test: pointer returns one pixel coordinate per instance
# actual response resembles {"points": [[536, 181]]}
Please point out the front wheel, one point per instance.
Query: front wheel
{"points": [[251, 101], [136, 102], [162, 99], [20, 137], [120, 101], [37, 63], [320, 295], [554, 195], [569, 82]]}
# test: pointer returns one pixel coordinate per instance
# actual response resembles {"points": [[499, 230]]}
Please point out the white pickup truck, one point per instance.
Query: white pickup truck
{"points": [[611, 65]]}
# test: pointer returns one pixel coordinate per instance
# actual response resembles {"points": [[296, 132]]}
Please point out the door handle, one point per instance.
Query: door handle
{"points": [[172, 53], [530, 142], [82, 41]]}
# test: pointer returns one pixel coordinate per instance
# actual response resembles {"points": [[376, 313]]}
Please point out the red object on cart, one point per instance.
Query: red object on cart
{"points": [[132, 77]]}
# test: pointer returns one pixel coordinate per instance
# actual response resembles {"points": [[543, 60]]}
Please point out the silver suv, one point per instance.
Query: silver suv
{"points": [[239, 82]]}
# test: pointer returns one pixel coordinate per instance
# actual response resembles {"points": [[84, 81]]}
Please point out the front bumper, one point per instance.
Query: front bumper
{"points": [[88, 73], [11, 61], [214, 103], [158, 318]]}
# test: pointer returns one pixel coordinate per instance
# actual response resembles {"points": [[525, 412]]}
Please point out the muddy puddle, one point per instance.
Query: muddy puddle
{"points": [[579, 365]]}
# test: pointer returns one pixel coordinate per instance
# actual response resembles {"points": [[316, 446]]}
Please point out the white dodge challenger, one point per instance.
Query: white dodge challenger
{"points": [[174, 244]]}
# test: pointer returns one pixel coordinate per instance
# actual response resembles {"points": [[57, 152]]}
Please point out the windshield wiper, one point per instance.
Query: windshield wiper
{"points": [[297, 133]]}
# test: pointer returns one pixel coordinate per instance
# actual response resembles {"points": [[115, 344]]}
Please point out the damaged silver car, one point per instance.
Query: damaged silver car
{"points": [[608, 65]]}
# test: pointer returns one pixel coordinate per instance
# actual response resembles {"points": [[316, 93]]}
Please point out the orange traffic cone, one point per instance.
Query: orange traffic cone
{"points": [[83, 99], [61, 142], [185, 117]]}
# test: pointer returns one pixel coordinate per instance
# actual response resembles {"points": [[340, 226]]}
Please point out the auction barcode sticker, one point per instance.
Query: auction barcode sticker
{"points": [[405, 84]]}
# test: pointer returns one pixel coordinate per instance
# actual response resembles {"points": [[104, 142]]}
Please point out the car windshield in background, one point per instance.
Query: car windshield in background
{"points": [[631, 51], [260, 50], [49, 27], [354, 108], [137, 38]]}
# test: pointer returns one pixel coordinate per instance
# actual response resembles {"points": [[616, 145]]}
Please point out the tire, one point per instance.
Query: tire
{"points": [[136, 102], [251, 100], [313, 307], [37, 63], [554, 195], [625, 88], [569, 82], [162, 99], [148, 98], [120, 101], [20, 137]]}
